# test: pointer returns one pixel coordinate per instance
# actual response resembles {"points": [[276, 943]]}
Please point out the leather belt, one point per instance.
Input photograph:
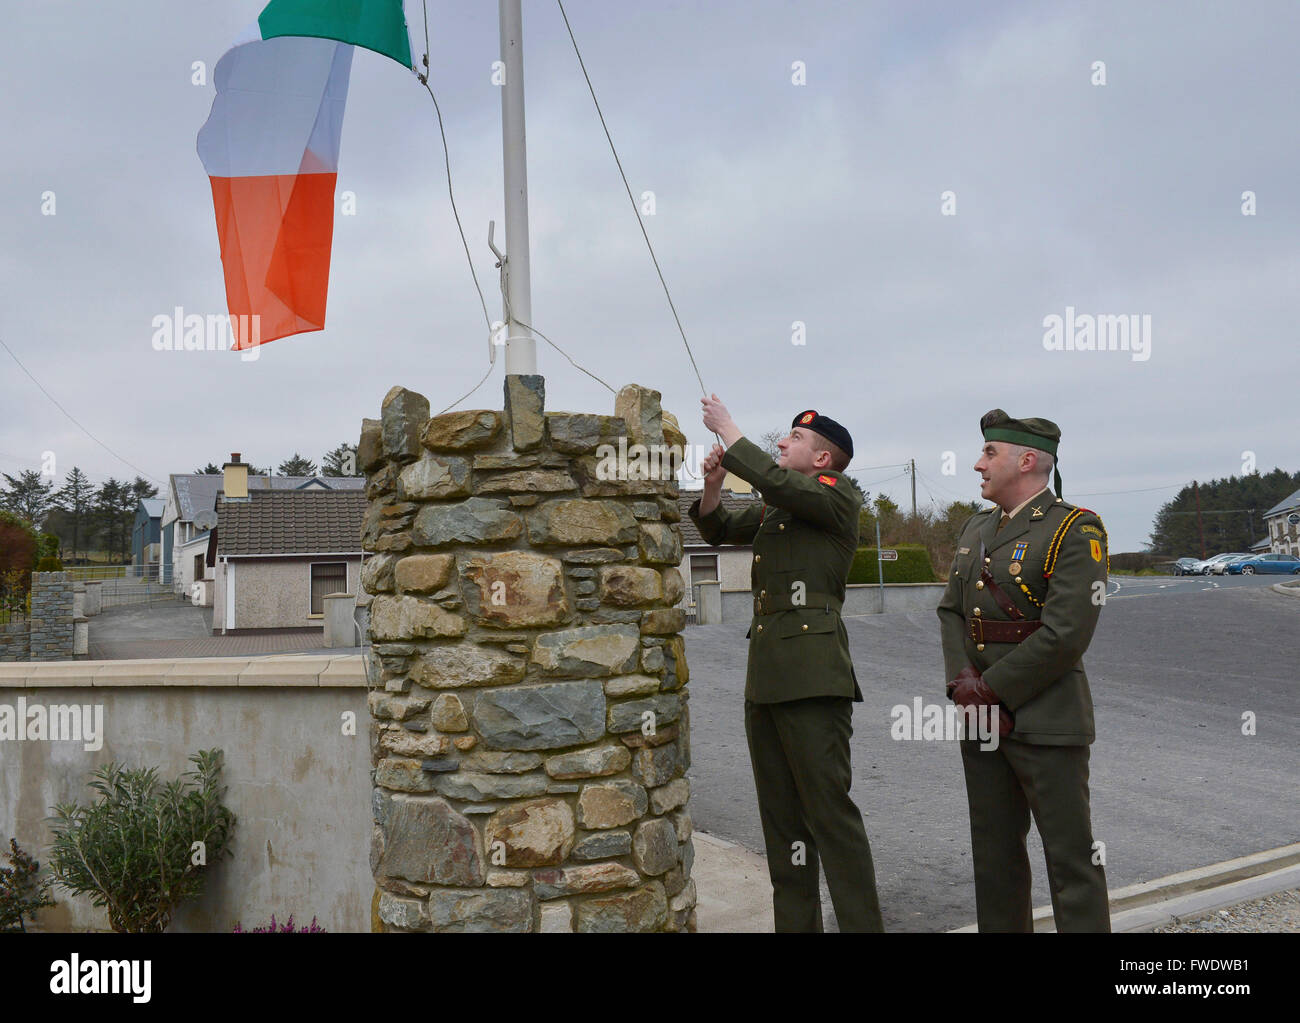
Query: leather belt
{"points": [[996, 592], [770, 603], [983, 631]]}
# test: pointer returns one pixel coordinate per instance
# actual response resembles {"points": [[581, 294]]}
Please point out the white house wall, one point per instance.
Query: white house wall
{"points": [[275, 593]]}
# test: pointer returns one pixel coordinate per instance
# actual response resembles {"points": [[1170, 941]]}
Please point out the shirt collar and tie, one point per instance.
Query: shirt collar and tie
{"points": [[1007, 516]]}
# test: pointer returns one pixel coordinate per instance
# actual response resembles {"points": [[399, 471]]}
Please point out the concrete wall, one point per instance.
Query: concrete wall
{"points": [[859, 599], [298, 785], [275, 593]]}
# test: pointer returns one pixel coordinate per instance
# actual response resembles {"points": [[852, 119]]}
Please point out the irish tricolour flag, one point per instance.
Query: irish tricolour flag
{"points": [[271, 149]]}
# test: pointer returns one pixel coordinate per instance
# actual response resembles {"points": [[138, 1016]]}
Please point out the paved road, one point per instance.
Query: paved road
{"points": [[1167, 585], [1175, 783], [178, 629]]}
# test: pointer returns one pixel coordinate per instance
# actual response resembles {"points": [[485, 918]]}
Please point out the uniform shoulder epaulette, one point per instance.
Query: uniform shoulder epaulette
{"points": [[1073, 514]]}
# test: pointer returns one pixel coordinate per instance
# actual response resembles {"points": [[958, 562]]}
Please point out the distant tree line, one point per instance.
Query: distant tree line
{"points": [[1231, 514], [86, 518], [341, 461]]}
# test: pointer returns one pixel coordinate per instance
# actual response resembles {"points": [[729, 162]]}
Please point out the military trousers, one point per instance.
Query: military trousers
{"points": [[799, 751], [1003, 787]]}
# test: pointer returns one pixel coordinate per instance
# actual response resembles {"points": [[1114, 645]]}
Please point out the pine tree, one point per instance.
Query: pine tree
{"points": [[297, 466], [30, 495], [342, 461], [106, 514], [75, 498]]}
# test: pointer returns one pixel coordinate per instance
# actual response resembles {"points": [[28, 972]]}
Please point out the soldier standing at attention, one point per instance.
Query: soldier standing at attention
{"points": [[1023, 598], [799, 684]]}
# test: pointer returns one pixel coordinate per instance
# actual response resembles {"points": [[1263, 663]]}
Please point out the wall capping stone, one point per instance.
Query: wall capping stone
{"points": [[275, 670]]}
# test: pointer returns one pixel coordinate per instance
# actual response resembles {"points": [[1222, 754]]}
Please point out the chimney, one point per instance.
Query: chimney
{"points": [[235, 483]]}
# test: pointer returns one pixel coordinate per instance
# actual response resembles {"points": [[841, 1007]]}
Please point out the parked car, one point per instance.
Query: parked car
{"points": [[1183, 566], [1219, 567], [1266, 564], [1204, 567]]}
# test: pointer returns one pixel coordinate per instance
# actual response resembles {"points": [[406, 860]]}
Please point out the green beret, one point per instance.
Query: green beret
{"points": [[1042, 434]]}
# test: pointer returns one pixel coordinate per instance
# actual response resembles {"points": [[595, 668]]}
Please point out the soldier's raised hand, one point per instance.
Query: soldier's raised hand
{"points": [[714, 473]]}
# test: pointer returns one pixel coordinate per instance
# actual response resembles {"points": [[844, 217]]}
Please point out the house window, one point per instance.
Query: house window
{"points": [[198, 567], [325, 579]]}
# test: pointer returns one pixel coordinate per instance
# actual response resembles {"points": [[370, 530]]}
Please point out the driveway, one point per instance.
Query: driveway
{"points": [[178, 629]]}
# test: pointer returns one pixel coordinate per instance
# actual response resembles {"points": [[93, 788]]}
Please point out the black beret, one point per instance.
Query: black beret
{"points": [[811, 419]]}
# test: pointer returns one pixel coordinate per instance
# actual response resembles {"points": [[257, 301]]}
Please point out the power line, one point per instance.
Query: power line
{"points": [[1144, 490], [939, 486], [73, 419], [887, 479], [27, 461], [640, 221]]}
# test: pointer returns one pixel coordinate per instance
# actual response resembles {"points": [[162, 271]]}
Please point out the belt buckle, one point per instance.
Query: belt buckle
{"points": [[977, 629]]}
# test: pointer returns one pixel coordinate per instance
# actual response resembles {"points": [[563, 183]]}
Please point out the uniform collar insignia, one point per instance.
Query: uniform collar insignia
{"points": [[1037, 512]]}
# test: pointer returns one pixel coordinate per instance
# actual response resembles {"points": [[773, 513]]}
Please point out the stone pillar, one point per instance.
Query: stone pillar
{"points": [[340, 626], [709, 609], [78, 600], [94, 599], [51, 618], [527, 675], [80, 636]]}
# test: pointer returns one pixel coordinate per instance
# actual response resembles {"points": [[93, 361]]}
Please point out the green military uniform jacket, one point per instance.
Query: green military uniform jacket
{"points": [[804, 538], [1060, 580]]}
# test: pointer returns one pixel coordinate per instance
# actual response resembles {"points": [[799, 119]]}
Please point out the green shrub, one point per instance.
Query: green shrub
{"points": [[144, 847], [22, 890], [49, 564], [912, 566]]}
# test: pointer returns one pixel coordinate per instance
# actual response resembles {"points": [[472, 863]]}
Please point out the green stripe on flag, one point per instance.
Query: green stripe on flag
{"points": [[377, 25]]}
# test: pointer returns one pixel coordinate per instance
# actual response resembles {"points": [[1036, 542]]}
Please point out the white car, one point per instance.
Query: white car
{"points": [[1221, 567], [1207, 566]]}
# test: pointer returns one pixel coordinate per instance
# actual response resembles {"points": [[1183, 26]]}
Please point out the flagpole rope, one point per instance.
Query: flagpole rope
{"points": [[424, 80], [639, 220]]}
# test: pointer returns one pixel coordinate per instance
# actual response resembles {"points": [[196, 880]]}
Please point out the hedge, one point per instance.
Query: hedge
{"points": [[912, 566]]}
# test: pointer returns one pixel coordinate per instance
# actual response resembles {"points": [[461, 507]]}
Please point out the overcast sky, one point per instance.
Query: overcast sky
{"points": [[775, 203]]}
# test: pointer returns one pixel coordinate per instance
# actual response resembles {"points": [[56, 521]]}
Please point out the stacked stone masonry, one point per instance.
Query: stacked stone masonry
{"points": [[48, 632], [14, 642], [527, 677]]}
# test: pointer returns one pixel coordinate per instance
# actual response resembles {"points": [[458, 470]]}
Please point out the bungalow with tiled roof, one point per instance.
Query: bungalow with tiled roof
{"points": [[190, 512], [278, 553]]}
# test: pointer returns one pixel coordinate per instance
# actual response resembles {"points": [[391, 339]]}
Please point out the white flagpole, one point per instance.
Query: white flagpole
{"points": [[521, 348]]}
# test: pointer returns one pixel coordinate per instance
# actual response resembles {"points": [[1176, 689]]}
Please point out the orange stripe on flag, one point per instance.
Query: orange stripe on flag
{"points": [[275, 233]]}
